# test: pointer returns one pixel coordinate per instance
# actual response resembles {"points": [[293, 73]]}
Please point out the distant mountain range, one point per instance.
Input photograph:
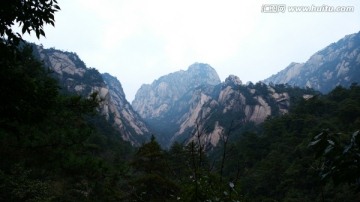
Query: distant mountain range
{"points": [[194, 103], [184, 104], [337, 64]]}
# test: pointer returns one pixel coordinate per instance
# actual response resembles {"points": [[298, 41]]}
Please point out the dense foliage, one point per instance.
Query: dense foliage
{"points": [[53, 147], [278, 163], [29, 15], [310, 154]]}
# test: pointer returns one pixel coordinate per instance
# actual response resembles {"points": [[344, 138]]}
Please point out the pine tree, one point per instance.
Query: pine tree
{"points": [[151, 181]]}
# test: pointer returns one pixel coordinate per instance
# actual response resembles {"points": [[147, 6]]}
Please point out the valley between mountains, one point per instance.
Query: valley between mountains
{"points": [[176, 106]]}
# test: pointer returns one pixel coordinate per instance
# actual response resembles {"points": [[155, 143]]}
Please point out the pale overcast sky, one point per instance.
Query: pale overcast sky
{"points": [[140, 40]]}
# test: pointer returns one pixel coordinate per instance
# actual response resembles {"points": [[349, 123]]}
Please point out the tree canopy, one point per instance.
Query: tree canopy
{"points": [[30, 15]]}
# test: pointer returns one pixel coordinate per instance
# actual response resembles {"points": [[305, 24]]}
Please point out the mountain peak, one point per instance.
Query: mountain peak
{"points": [[153, 100], [200, 67], [233, 80], [203, 72]]}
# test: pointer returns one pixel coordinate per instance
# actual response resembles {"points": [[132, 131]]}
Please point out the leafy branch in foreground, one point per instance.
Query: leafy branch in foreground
{"points": [[30, 15], [340, 155]]}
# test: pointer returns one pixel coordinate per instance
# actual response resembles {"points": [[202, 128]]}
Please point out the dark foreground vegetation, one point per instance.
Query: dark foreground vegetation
{"points": [[55, 147]]}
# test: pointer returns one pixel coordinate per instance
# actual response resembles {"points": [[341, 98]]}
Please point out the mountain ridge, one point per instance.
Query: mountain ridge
{"points": [[336, 64], [208, 108], [75, 78], [176, 104]]}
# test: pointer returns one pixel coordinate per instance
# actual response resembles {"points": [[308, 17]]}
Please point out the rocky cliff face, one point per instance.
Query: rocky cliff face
{"points": [[153, 100], [75, 77], [123, 115], [337, 64], [179, 105], [214, 110]]}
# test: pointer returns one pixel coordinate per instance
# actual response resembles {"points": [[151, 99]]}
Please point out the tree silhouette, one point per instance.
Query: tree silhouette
{"points": [[30, 15], [151, 182]]}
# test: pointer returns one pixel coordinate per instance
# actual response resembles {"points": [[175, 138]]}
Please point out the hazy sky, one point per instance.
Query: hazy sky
{"points": [[140, 40]]}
